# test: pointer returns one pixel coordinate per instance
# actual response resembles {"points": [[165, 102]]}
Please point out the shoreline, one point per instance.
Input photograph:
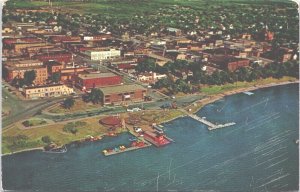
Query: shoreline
{"points": [[23, 150], [199, 105], [213, 98]]}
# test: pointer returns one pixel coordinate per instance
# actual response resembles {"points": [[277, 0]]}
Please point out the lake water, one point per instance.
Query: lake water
{"points": [[257, 154]]}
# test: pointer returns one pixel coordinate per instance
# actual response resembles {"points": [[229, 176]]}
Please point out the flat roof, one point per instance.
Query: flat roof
{"points": [[23, 61], [96, 75], [121, 89], [41, 86], [26, 68]]}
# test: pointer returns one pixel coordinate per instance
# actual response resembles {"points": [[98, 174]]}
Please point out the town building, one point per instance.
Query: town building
{"points": [[58, 39], [62, 57], [20, 47], [55, 90], [123, 94], [36, 49], [150, 77], [101, 37], [103, 54], [92, 80], [124, 64], [229, 63], [70, 73], [17, 69], [53, 67]]}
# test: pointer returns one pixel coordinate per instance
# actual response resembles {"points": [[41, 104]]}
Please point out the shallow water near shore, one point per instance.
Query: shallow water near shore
{"points": [[259, 153]]}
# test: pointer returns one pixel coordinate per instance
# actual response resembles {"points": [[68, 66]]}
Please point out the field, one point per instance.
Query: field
{"points": [[129, 8]]}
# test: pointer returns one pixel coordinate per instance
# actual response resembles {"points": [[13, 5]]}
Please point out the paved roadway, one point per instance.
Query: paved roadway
{"points": [[21, 109]]}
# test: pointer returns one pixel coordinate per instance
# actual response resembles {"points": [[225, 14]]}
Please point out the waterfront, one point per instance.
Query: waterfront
{"points": [[257, 154]]}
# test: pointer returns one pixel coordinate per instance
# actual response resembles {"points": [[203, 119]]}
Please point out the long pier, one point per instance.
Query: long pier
{"points": [[211, 126]]}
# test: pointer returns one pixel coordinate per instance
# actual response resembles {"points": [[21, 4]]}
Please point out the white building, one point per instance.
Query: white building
{"points": [[56, 90], [98, 55], [150, 77]]}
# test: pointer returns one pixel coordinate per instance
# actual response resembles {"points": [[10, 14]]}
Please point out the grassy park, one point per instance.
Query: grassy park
{"points": [[78, 106], [216, 89]]}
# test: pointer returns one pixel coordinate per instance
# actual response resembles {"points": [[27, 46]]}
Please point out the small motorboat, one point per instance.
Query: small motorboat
{"points": [[133, 139]]}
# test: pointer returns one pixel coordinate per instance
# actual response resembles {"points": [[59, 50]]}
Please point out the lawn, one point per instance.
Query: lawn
{"points": [[79, 105], [159, 116], [34, 122], [216, 89], [55, 131]]}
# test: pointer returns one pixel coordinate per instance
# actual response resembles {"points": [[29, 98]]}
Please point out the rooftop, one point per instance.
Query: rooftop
{"points": [[96, 75], [23, 62], [42, 86], [121, 89]]}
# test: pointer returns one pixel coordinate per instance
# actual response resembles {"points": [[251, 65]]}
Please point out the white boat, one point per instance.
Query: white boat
{"points": [[248, 93]]}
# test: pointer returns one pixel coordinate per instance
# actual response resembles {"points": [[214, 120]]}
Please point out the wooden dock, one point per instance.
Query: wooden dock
{"points": [[126, 150], [211, 126]]}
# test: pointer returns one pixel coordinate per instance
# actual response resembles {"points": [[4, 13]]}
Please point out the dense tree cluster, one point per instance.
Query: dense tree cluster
{"points": [[95, 96], [255, 72]]}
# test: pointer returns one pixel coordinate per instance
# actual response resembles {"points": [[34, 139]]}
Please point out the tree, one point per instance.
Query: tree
{"points": [[182, 86], [95, 96], [70, 128], [68, 103], [46, 139], [4, 72], [29, 77], [146, 65], [56, 77], [165, 82], [74, 130], [242, 74]]}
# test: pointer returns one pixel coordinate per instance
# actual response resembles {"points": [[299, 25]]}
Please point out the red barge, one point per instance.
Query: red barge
{"points": [[156, 139]]}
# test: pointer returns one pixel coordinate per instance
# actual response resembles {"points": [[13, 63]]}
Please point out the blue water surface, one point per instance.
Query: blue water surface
{"points": [[259, 153]]}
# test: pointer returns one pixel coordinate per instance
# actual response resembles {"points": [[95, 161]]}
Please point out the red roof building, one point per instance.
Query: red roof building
{"points": [[59, 57], [63, 38], [92, 80]]}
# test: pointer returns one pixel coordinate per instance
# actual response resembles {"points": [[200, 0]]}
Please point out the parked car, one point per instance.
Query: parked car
{"points": [[134, 109], [138, 129]]}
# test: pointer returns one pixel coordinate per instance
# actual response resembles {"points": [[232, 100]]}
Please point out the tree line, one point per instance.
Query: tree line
{"points": [[218, 77]]}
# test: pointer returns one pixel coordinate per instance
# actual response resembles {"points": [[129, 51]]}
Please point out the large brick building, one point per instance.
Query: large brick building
{"points": [[17, 70], [70, 74], [62, 57], [123, 94], [229, 63], [53, 67], [88, 81]]}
